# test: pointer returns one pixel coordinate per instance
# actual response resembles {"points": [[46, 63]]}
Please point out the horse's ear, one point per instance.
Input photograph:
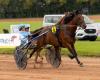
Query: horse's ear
{"points": [[79, 11], [67, 13]]}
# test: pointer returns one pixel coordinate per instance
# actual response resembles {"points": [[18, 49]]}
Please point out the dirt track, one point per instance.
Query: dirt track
{"points": [[69, 70]]}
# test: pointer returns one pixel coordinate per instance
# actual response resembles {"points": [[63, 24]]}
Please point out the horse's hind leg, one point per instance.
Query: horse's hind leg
{"points": [[71, 48], [38, 55], [31, 54]]}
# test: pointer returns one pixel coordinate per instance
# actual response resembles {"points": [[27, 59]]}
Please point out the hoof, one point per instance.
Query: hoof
{"points": [[38, 62], [28, 58], [38, 65], [41, 58], [70, 56], [81, 65]]}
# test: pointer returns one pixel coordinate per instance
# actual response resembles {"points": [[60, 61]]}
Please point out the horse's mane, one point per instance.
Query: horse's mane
{"points": [[69, 16], [66, 19]]}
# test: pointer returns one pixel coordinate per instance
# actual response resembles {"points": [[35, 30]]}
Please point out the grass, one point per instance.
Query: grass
{"points": [[97, 20], [6, 25], [88, 48], [6, 50], [84, 48]]}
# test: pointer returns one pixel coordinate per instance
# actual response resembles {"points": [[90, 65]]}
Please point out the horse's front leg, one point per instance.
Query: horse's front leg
{"points": [[72, 50]]}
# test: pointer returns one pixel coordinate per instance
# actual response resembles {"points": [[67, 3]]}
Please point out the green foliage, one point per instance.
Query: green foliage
{"points": [[38, 8], [28, 3], [4, 2]]}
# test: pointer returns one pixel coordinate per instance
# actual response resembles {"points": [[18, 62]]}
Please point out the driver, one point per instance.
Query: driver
{"points": [[24, 33]]}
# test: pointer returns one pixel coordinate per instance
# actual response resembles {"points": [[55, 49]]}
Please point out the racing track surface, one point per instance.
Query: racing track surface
{"points": [[68, 70]]}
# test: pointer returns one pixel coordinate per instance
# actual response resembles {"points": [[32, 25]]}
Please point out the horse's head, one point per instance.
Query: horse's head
{"points": [[79, 19], [73, 18]]}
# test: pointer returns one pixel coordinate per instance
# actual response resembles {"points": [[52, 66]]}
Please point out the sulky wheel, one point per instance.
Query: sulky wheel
{"points": [[20, 58], [53, 57]]}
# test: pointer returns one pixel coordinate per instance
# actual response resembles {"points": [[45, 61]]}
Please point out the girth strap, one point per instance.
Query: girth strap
{"points": [[57, 33]]}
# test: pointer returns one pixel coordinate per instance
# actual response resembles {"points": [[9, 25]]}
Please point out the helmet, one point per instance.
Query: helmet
{"points": [[21, 27], [27, 26]]}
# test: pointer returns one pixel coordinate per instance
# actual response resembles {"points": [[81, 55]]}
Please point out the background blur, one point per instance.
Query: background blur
{"points": [[37, 8]]}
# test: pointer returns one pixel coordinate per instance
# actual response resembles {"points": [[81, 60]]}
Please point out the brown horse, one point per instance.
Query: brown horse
{"points": [[65, 35]]}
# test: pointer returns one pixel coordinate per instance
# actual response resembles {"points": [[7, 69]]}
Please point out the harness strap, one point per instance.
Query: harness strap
{"points": [[57, 34]]}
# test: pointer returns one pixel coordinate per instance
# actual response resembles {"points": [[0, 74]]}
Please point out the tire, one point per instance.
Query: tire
{"points": [[93, 39], [52, 57], [20, 58]]}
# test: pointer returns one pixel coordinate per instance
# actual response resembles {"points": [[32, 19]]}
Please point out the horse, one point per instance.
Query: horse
{"points": [[65, 37]]}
